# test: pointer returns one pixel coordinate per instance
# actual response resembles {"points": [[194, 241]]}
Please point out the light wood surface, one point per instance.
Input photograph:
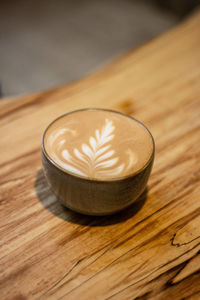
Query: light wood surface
{"points": [[151, 251]]}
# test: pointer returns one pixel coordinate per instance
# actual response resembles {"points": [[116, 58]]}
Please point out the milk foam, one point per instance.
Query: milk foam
{"points": [[98, 144]]}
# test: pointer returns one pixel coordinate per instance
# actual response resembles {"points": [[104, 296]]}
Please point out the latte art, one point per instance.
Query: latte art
{"points": [[98, 144], [96, 158]]}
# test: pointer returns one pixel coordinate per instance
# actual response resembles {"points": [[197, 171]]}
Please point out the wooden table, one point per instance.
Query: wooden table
{"points": [[150, 251]]}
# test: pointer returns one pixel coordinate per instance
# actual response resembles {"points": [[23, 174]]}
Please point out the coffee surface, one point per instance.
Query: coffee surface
{"points": [[98, 144]]}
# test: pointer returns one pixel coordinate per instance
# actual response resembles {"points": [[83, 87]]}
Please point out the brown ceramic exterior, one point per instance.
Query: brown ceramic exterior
{"points": [[95, 197]]}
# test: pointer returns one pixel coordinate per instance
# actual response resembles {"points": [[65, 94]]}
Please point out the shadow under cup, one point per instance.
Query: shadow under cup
{"points": [[94, 196]]}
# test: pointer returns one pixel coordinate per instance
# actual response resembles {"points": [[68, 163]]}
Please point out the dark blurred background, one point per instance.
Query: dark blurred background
{"points": [[47, 43]]}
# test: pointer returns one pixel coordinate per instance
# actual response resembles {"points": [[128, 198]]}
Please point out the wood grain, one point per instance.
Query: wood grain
{"points": [[150, 251]]}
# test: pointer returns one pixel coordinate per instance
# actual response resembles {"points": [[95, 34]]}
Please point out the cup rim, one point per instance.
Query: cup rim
{"points": [[97, 179]]}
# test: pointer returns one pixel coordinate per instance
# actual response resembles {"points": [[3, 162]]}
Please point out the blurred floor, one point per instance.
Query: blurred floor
{"points": [[48, 43]]}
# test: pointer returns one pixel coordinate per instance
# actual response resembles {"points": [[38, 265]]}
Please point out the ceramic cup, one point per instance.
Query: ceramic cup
{"points": [[104, 190]]}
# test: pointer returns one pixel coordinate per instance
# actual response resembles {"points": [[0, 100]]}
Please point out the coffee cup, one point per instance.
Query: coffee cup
{"points": [[97, 161]]}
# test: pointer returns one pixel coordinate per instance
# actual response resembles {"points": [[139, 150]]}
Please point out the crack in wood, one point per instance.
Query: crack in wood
{"points": [[134, 248], [182, 244], [73, 267], [143, 296], [177, 279], [154, 271], [62, 278]]}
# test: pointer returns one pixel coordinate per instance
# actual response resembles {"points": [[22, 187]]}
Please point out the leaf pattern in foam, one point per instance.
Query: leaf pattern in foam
{"points": [[96, 157]]}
